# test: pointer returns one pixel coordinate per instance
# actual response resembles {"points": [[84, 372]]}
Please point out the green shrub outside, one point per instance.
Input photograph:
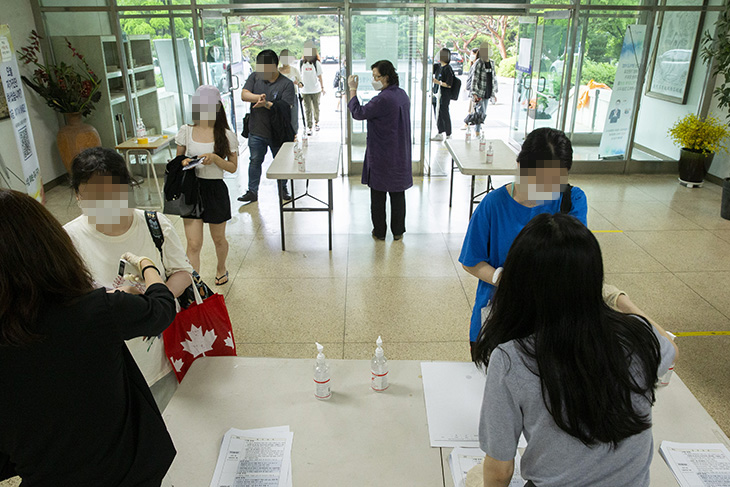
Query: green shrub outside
{"points": [[598, 72], [506, 67]]}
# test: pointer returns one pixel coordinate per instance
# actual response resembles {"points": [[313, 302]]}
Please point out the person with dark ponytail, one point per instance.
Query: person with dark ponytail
{"points": [[209, 137], [541, 186], [572, 374]]}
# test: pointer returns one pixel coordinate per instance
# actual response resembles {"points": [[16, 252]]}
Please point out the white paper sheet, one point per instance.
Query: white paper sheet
{"points": [[454, 392], [462, 460], [255, 458], [698, 464]]}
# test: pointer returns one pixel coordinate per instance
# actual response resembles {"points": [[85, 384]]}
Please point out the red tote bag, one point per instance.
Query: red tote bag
{"points": [[202, 330]]}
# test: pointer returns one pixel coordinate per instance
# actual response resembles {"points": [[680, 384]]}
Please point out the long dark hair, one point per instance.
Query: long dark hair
{"points": [[39, 265], [550, 301], [546, 144], [221, 146]]}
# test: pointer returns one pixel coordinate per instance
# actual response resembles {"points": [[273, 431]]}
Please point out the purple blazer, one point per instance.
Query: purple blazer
{"points": [[388, 165]]}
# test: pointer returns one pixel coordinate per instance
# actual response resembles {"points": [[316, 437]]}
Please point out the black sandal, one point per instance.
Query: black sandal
{"points": [[219, 279]]}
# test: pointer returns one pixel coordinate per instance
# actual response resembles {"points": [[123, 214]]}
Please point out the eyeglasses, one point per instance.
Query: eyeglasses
{"points": [[377, 77]]}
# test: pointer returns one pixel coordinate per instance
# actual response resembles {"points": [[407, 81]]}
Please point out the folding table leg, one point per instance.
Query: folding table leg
{"points": [[471, 198], [281, 214], [329, 207], [451, 183]]}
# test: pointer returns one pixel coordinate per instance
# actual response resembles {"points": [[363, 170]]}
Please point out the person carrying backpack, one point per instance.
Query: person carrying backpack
{"points": [[444, 79]]}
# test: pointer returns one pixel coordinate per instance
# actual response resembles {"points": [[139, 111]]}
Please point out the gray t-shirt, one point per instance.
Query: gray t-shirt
{"points": [[282, 89], [513, 404]]}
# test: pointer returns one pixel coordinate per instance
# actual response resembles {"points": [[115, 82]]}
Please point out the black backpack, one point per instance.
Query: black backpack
{"points": [[455, 88]]}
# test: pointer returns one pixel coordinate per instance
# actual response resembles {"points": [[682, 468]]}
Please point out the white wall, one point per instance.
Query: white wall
{"points": [[721, 163], [656, 116], [44, 121]]}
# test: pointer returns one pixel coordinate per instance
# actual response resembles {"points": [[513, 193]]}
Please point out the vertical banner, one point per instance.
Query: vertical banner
{"points": [[616, 130], [18, 111]]}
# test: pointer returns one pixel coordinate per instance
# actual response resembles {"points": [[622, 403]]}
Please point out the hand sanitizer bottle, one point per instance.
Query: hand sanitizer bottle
{"points": [[141, 129], [468, 135], [490, 154], [482, 144], [379, 368], [322, 389]]}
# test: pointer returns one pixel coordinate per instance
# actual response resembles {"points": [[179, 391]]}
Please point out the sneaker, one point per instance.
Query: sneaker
{"points": [[397, 237], [375, 236], [309, 131], [437, 138], [316, 127], [249, 197], [285, 195], [448, 137]]}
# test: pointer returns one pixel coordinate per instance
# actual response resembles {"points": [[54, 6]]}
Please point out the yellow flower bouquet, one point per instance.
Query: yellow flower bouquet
{"points": [[705, 135]]}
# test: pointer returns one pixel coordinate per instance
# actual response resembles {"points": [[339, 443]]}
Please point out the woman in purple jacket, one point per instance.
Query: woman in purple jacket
{"points": [[387, 167]]}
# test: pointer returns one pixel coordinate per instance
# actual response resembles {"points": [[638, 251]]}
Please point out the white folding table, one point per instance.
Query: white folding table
{"points": [[472, 162], [322, 162]]}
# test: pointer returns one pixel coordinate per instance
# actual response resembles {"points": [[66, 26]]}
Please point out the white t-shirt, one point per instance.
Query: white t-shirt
{"points": [[192, 148], [101, 254], [293, 75], [310, 74]]}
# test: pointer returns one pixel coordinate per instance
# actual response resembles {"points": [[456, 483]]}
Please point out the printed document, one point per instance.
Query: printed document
{"points": [[698, 464], [255, 458], [463, 460]]}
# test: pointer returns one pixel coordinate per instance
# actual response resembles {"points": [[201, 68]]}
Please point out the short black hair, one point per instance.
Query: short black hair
{"points": [[386, 68], [267, 56], [98, 161], [445, 53], [546, 144]]}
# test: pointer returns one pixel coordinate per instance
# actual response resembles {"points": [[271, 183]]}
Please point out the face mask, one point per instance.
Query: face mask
{"points": [[105, 212], [207, 114], [377, 85], [533, 194], [473, 58]]}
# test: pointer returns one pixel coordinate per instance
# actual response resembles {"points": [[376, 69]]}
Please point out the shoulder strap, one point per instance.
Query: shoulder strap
{"points": [[566, 203], [153, 223]]}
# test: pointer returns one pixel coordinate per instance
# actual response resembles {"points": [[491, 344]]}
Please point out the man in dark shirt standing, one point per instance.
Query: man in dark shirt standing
{"points": [[262, 88]]}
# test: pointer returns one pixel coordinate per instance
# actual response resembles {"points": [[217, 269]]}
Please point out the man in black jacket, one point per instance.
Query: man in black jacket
{"points": [[268, 92]]}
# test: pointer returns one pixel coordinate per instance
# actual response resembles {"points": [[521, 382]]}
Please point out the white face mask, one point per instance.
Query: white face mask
{"points": [[533, 194], [105, 212], [377, 85], [473, 57]]}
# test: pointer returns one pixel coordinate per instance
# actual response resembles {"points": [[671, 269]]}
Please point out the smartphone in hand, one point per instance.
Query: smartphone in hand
{"points": [[193, 162]]}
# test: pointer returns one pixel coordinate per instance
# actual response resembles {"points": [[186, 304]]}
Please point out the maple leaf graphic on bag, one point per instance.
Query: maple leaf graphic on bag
{"points": [[199, 342], [178, 364], [229, 341]]}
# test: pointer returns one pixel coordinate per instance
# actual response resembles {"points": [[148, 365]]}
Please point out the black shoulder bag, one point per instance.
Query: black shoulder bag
{"points": [[188, 296]]}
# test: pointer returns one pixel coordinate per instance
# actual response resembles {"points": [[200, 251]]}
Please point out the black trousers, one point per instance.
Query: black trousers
{"points": [[397, 212], [443, 122]]}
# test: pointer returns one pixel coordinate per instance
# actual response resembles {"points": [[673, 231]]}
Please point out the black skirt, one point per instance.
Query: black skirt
{"points": [[215, 201]]}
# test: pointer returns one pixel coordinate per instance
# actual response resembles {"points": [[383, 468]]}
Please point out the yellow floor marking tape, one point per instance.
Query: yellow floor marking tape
{"points": [[701, 333]]}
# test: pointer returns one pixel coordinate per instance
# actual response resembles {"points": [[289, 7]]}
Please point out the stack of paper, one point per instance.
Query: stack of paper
{"points": [[463, 460], [255, 458], [698, 464], [454, 392]]}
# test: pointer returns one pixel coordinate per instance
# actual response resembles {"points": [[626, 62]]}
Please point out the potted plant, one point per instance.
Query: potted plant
{"points": [[699, 139], [70, 90], [717, 49]]}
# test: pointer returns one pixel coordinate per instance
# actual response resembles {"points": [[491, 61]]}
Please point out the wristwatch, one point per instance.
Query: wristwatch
{"points": [[497, 273]]}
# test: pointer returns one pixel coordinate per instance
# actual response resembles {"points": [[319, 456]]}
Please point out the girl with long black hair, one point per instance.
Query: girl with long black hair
{"points": [[210, 137], [574, 375]]}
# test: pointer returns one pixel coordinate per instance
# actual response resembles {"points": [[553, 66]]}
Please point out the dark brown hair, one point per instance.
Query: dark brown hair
{"points": [[98, 161], [39, 265], [386, 68], [221, 146]]}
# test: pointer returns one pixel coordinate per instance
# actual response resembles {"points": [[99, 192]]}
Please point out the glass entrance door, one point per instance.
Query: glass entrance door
{"points": [[540, 79], [397, 36]]}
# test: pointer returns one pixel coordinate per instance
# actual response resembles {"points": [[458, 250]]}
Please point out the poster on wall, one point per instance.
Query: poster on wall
{"points": [[524, 57], [617, 128], [674, 53], [18, 111]]}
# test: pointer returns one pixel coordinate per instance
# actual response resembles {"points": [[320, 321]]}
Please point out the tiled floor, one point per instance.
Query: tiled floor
{"points": [[672, 256]]}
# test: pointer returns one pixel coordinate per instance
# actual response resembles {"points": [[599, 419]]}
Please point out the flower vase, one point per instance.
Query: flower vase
{"points": [[693, 167], [74, 137]]}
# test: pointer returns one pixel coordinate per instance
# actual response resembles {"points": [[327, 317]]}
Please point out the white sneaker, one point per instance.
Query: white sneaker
{"points": [[316, 127], [437, 138], [309, 131], [448, 137]]}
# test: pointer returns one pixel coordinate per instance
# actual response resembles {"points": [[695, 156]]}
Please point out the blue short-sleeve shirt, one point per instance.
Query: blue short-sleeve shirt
{"points": [[493, 227]]}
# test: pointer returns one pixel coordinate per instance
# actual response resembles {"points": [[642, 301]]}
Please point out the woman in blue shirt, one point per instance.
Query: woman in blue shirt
{"points": [[542, 171]]}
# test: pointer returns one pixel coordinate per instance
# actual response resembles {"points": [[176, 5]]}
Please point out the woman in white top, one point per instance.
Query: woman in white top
{"points": [[109, 228], [286, 68], [211, 138], [313, 86]]}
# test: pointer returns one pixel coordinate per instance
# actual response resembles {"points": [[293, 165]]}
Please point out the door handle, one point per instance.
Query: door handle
{"points": [[541, 84], [238, 82]]}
